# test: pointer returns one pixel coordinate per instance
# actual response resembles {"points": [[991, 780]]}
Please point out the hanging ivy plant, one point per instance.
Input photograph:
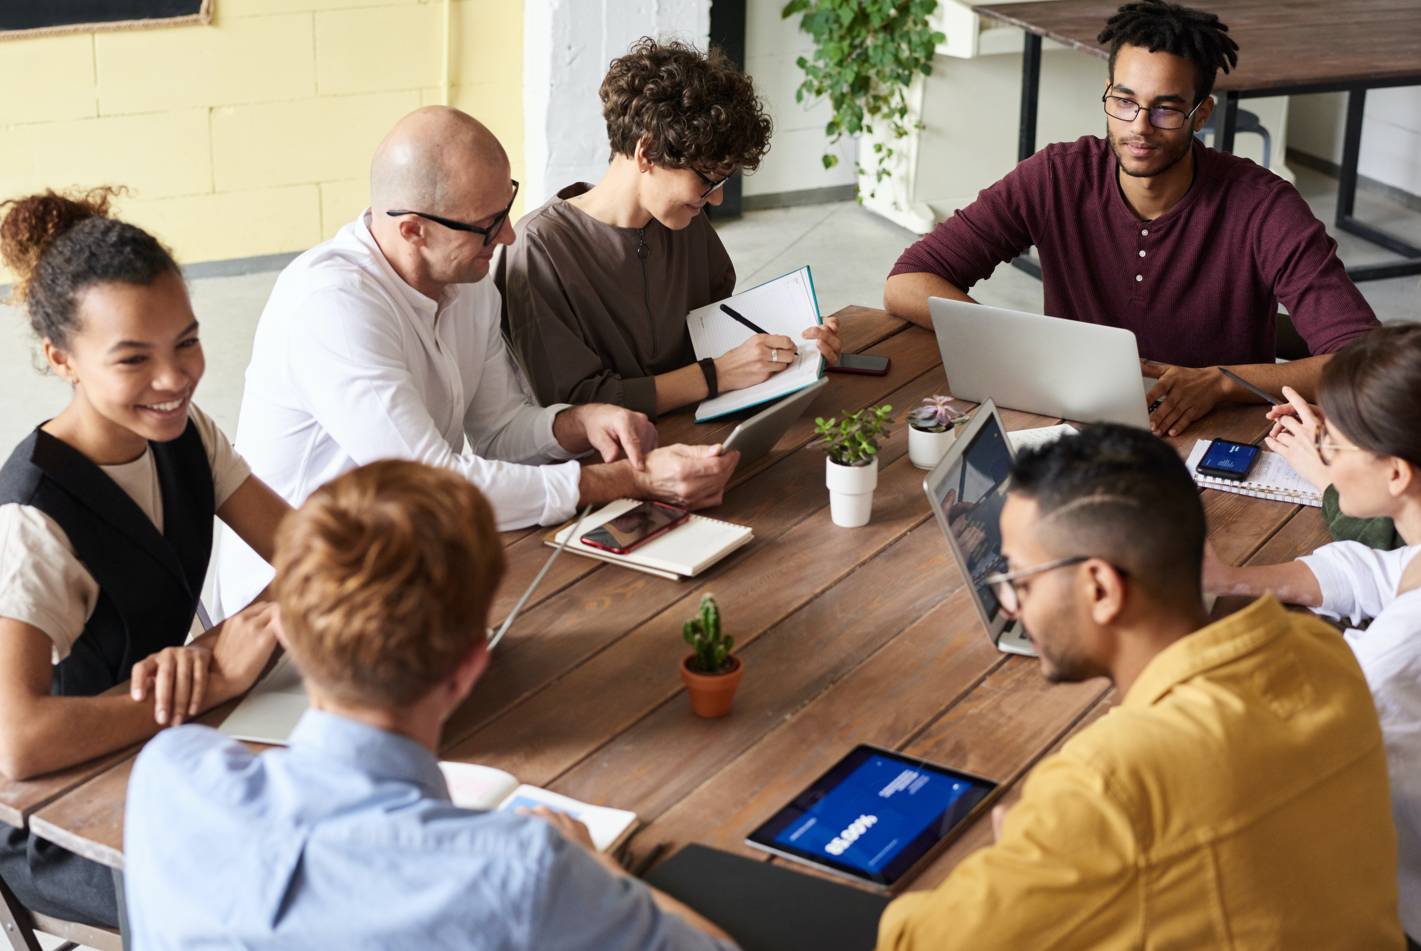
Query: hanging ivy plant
{"points": [[866, 52]]}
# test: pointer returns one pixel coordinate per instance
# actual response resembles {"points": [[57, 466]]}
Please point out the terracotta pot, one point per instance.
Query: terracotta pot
{"points": [[711, 694]]}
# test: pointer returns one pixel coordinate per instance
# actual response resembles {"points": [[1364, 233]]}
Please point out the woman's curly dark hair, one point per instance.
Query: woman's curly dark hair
{"points": [[689, 109]]}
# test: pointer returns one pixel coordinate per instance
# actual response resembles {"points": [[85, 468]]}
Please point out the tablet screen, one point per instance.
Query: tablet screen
{"points": [[873, 815]]}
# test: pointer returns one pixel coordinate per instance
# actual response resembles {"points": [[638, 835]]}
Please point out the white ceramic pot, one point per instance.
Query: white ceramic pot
{"points": [[926, 448], [850, 492]]}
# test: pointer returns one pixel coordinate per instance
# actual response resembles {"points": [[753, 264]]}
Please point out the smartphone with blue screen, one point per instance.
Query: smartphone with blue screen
{"points": [[1226, 459]]}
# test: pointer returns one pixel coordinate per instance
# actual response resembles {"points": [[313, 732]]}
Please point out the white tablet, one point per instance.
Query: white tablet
{"points": [[757, 435]]}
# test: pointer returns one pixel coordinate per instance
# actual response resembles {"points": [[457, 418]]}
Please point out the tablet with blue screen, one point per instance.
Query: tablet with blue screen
{"points": [[875, 816]]}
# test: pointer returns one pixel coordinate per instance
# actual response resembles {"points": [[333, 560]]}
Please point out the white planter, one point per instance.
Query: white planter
{"points": [[850, 492], [926, 448]]}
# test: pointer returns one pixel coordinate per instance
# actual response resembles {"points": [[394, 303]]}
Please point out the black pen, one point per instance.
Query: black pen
{"points": [[1263, 394], [743, 320]]}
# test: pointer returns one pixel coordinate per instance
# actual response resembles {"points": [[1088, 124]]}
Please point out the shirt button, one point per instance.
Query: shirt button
{"points": [[1142, 254], [1145, 232], [1139, 278]]}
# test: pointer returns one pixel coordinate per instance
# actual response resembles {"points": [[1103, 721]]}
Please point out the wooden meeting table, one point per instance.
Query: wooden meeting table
{"points": [[848, 636]]}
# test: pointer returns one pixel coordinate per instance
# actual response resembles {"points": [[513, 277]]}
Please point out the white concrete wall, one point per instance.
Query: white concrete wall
{"points": [[772, 45], [567, 45], [1391, 133]]}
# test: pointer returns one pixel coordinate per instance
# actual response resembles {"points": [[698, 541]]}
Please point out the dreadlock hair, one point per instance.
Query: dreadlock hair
{"points": [[1158, 26]]}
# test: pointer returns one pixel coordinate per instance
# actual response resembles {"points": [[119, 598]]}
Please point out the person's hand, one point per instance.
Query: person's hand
{"points": [[611, 430], [574, 831], [176, 679], [689, 476], [1184, 395], [826, 337], [1294, 437], [754, 361], [241, 649]]}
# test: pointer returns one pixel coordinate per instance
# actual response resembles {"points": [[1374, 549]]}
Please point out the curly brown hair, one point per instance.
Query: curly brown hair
{"points": [[385, 576], [688, 109], [59, 245]]}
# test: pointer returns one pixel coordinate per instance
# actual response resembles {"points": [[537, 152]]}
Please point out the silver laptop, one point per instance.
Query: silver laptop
{"points": [[757, 435], [967, 490], [1067, 368]]}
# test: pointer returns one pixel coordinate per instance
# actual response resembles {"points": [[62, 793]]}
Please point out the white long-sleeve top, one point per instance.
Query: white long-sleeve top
{"points": [[350, 364], [1359, 583]]}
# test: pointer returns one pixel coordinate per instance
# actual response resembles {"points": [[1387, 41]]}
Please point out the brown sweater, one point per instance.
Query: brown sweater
{"points": [[590, 318]]}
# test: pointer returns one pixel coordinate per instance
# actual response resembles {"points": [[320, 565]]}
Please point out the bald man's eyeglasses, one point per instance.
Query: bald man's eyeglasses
{"points": [[489, 233]]}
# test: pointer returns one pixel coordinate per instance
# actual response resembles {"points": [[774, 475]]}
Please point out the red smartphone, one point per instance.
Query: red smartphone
{"points": [[867, 363], [634, 526]]}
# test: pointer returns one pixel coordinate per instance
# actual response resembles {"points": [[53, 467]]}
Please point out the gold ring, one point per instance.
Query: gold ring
{"points": [[774, 355]]}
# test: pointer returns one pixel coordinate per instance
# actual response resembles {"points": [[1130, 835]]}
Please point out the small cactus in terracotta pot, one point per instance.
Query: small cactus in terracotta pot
{"points": [[710, 672]]}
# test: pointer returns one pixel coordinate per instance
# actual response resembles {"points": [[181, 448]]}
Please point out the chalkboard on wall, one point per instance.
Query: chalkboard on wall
{"points": [[20, 17]]}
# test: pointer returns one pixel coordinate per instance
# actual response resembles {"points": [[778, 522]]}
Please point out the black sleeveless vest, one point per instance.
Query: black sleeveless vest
{"points": [[148, 582]]}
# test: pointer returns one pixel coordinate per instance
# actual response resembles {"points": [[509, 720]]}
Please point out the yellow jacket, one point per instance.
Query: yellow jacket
{"points": [[1237, 798]]}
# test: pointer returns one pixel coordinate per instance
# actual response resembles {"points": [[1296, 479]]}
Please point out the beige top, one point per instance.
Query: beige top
{"points": [[594, 311], [42, 581]]}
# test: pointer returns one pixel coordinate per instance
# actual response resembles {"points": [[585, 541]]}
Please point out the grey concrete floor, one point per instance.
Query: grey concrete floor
{"points": [[850, 249]]}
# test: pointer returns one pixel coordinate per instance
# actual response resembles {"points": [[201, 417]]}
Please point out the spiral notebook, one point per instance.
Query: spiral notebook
{"points": [[1272, 478], [683, 552]]}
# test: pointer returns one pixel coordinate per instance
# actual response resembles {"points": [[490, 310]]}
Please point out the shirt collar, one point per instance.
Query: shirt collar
{"points": [[376, 753], [1209, 647], [360, 230]]}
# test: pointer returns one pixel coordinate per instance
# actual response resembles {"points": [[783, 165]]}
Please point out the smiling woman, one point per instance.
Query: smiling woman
{"points": [[106, 525]]}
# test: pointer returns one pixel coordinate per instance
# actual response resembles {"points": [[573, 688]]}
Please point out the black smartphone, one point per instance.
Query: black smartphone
{"points": [[868, 363], [635, 526], [1226, 459]]}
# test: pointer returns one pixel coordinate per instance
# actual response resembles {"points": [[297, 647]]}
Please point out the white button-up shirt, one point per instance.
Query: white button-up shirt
{"points": [[350, 364], [1359, 584]]}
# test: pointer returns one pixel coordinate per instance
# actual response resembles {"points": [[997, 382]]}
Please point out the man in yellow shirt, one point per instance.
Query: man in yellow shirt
{"points": [[1236, 798]]}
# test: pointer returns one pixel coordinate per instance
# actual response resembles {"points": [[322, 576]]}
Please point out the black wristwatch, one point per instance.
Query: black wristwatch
{"points": [[708, 370]]}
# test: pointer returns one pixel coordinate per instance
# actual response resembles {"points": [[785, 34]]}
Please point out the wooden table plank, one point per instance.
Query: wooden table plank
{"points": [[21, 798], [1282, 43]]}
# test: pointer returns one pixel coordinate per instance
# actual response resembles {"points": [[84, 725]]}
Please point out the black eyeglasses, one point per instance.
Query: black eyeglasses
{"points": [[1161, 117], [711, 184], [489, 233], [1004, 585]]}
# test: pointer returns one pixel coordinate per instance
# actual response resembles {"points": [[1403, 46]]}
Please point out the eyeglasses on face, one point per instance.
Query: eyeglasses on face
{"points": [[711, 184], [489, 233], [1004, 584], [1327, 450], [1165, 118]]}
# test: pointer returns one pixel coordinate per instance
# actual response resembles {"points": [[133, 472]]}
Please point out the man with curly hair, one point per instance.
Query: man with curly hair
{"points": [[597, 289], [1190, 248]]}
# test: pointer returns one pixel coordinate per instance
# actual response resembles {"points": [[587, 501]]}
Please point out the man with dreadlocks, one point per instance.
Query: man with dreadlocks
{"points": [[1190, 248]]}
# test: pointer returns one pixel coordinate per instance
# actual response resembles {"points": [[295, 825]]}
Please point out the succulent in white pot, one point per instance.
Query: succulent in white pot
{"points": [[932, 429], [851, 471]]}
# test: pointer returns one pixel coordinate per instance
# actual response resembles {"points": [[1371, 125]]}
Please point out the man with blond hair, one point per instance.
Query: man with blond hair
{"points": [[347, 839], [384, 343]]}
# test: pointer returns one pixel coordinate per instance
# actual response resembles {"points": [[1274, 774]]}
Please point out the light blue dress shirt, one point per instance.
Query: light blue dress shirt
{"points": [[347, 839]]}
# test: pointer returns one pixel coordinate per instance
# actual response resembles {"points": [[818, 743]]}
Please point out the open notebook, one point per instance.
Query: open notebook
{"points": [[1272, 478], [482, 787], [785, 305], [683, 552]]}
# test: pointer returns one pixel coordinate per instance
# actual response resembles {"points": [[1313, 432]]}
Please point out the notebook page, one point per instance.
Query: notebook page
{"points": [[606, 825], [1272, 478], [785, 305], [685, 550], [472, 786]]}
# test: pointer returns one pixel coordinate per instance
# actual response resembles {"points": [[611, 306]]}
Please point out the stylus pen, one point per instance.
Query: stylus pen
{"points": [[744, 320], [1267, 397]]}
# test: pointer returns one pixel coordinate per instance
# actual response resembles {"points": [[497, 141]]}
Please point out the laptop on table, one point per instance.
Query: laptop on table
{"points": [[967, 489], [1047, 365]]}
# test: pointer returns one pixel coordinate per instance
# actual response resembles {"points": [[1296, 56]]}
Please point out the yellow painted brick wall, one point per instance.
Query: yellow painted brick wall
{"points": [[251, 135]]}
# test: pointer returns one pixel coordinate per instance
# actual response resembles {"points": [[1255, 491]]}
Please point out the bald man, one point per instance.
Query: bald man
{"points": [[384, 342]]}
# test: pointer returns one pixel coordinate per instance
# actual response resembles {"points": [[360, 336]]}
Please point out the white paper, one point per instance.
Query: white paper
{"points": [[785, 305], [1272, 478], [1040, 436], [604, 824], [472, 786]]}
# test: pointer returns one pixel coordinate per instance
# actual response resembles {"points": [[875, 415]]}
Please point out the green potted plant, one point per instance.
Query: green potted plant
{"points": [[710, 672], [851, 471], [866, 56], [932, 429]]}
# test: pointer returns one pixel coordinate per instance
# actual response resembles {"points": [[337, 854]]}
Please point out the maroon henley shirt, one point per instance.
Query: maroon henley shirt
{"points": [[1198, 286]]}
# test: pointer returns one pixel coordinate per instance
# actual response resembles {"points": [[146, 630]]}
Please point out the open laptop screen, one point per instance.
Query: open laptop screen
{"points": [[971, 496]]}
